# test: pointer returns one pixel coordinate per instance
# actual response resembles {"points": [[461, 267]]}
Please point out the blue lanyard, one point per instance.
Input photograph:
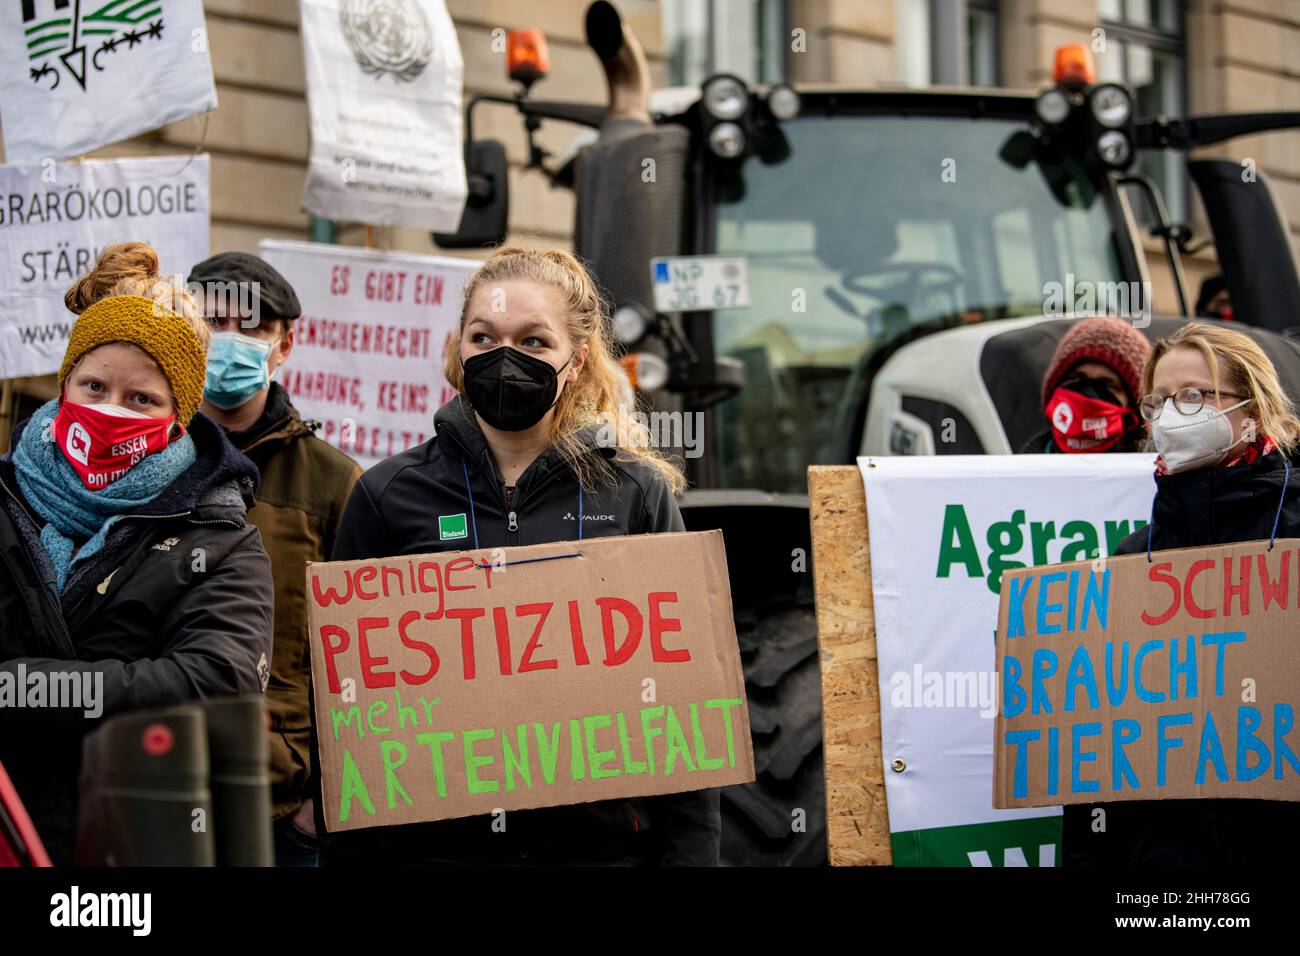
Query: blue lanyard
{"points": [[473, 523]]}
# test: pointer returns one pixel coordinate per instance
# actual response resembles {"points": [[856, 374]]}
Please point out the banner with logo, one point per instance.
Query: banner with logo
{"points": [[943, 530], [384, 95], [56, 217], [76, 75], [367, 356]]}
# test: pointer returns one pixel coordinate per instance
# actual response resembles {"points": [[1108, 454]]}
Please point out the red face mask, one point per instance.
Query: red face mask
{"points": [[1081, 423], [103, 442]]}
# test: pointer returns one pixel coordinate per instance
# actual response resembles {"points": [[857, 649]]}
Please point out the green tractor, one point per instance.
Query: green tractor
{"points": [[800, 276]]}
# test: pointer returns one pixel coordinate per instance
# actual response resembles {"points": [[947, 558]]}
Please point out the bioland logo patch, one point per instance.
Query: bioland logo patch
{"points": [[452, 527]]}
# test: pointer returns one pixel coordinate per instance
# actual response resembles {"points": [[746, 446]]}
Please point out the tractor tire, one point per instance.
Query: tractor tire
{"points": [[780, 818]]}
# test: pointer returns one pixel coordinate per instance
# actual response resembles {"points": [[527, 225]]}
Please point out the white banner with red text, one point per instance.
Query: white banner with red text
{"points": [[367, 356]]}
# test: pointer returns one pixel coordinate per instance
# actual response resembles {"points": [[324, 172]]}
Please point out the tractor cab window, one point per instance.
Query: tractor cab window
{"points": [[866, 231]]}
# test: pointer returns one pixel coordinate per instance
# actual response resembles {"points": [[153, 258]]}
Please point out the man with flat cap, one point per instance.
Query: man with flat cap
{"points": [[305, 484]]}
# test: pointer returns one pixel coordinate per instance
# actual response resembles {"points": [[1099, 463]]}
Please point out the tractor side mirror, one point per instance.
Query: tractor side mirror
{"points": [[487, 207]]}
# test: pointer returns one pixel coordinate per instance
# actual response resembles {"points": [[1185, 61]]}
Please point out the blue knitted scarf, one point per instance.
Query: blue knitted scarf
{"points": [[74, 513]]}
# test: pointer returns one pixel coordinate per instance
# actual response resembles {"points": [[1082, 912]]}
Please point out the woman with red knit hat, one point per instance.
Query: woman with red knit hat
{"points": [[1091, 389]]}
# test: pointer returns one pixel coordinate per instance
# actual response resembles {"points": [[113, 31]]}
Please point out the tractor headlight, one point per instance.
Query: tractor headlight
{"points": [[725, 98], [1111, 105], [1052, 107], [631, 321], [727, 140], [783, 102], [1114, 149], [645, 370]]}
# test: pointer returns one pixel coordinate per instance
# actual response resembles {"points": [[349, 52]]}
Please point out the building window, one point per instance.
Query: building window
{"points": [[948, 42], [745, 37], [983, 65], [914, 28], [1146, 49]]}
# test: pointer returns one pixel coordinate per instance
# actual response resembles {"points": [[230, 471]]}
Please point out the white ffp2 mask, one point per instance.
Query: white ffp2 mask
{"points": [[1188, 442]]}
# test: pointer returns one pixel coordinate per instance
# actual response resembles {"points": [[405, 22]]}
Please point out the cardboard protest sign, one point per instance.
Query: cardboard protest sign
{"points": [[367, 355], [1131, 679], [456, 684]]}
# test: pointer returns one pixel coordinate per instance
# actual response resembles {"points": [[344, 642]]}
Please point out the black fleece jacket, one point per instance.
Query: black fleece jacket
{"points": [[395, 510]]}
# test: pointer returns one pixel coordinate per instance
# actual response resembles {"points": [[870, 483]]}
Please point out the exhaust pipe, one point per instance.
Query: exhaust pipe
{"points": [[620, 220], [626, 72]]}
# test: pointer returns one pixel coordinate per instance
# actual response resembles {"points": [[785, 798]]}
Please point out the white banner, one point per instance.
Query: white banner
{"points": [[384, 94], [367, 356], [942, 530], [76, 75], [54, 220]]}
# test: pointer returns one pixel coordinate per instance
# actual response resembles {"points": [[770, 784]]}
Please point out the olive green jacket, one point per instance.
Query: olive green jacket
{"points": [[305, 484]]}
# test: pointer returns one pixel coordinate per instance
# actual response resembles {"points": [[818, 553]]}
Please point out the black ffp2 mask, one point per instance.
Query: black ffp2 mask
{"points": [[511, 390]]}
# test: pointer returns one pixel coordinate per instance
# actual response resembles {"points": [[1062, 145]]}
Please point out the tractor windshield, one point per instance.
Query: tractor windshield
{"points": [[862, 230]]}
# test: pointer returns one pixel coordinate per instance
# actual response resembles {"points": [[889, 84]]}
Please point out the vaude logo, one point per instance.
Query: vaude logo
{"points": [[387, 36], [568, 516], [81, 41]]}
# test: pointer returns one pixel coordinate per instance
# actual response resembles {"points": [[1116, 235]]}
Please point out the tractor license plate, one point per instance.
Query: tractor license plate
{"points": [[700, 283]]}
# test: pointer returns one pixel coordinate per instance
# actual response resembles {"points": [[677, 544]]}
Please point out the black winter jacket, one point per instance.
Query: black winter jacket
{"points": [[395, 510], [176, 606], [1205, 507]]}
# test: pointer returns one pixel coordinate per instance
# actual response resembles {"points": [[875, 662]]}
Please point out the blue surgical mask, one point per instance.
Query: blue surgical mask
{"points": [[236, 368]]}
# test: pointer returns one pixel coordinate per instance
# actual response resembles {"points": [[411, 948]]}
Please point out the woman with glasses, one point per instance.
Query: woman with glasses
{"points": [[1227, 437]]}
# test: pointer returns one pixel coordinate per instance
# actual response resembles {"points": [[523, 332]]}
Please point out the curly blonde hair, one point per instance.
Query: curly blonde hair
{"points": [[598, 395]]}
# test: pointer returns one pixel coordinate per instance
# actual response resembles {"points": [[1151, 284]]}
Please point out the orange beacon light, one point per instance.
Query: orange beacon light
{"points": [[1074, 66], [527, 58]]}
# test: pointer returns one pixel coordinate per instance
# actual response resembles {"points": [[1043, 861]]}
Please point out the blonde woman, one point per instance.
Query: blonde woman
{"points": [[1227, 437], [533, 449], [111, 490]]}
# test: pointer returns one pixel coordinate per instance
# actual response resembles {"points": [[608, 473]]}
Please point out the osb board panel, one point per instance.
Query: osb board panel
{"points": [[856, 817]]}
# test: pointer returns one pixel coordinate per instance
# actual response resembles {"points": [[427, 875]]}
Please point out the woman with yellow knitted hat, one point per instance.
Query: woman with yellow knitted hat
{"points": [[129, 564]]}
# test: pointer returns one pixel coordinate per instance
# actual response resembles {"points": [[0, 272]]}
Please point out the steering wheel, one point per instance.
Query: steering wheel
{"points": [[914, 271]]}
